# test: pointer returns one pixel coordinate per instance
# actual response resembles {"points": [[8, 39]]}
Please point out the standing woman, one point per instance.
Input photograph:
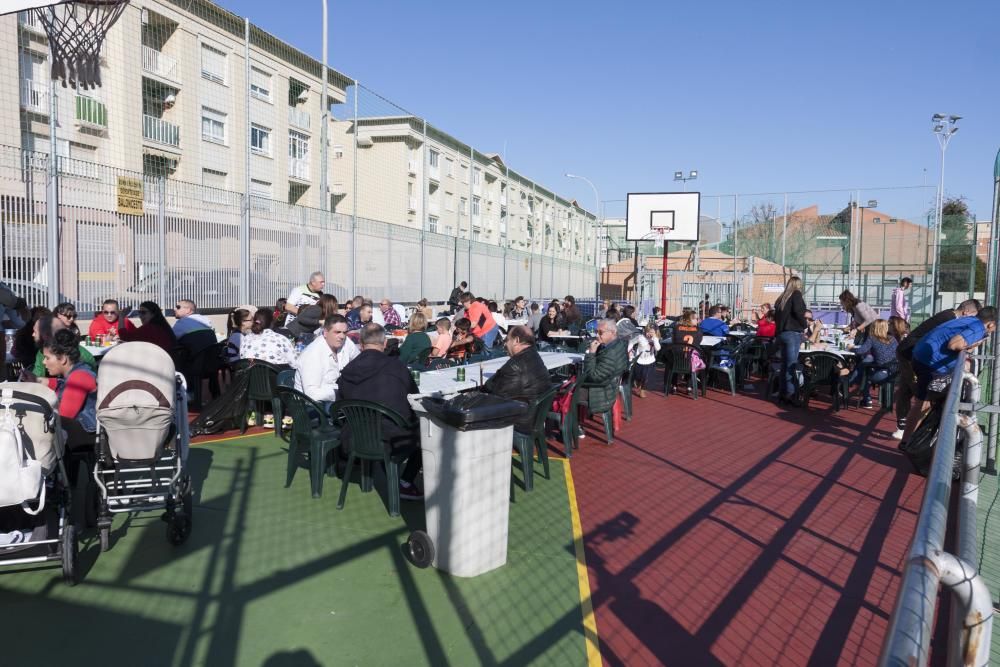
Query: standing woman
{"points": [[862, 315], [790, 319]]}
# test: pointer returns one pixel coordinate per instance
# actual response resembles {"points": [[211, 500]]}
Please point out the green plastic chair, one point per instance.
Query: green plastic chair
{"points": [[680, 364], [712, 359], [625, 389], [260, 389], [311, 435], [285, 379], [528, 443], [823, 370], [364, 420]]}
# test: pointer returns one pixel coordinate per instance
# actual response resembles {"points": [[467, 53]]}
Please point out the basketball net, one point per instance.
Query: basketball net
{"points": [[76, 31]]}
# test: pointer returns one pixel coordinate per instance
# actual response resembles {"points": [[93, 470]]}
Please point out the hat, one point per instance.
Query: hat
{"points": [[306, 322]]}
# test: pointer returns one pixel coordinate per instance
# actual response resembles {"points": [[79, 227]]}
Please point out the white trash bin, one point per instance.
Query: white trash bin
{"points": [[466, 494]]}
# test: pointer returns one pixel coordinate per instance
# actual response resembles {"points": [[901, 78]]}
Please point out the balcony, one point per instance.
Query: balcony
{"points": [[29, 21], [34, 96], [411, 167], [298, 168], [78, 168], [160, 131], [298, 118], [161, 65], [91, 113]]}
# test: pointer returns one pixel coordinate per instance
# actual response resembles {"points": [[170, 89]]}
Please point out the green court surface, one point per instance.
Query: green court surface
{"points": [[988, 511], [272, 577]]}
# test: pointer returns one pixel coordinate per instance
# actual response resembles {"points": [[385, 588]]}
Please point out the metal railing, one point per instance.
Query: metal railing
{"points": [[160, 131], [29, 19], [91, 113], [298, 168], [298, 118], [928, 566], [160, 64], [35, 96]]}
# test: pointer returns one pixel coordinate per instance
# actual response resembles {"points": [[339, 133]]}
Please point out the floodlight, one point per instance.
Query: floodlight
{"points": [[953, 130], [937, 117], [693, 174], [872, 203], [938, 128], [954, 119], [678, 175]]}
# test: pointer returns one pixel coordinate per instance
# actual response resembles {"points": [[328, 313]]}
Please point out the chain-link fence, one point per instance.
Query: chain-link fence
{"points": [[173, 179]]}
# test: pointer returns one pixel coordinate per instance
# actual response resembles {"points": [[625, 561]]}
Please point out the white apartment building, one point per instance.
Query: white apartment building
{"points": [[179, 99], [411, 173]]}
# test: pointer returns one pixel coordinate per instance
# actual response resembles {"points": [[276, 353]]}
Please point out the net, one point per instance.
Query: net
{"points": [[76, 31]]}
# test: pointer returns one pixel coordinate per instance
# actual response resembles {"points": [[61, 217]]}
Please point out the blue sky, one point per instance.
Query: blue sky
{"points": [[758, 96]]}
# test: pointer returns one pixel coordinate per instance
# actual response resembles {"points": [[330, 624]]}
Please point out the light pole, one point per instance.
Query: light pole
{"points": [[324, 194], [878, 221], [944, 127], [597, 237], [861, 241]]}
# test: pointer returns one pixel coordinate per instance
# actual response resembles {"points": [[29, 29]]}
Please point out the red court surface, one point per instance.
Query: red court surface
{"points": [[729, 531]]}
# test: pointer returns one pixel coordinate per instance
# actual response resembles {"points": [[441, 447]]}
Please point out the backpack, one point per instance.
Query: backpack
{"points": [[21, 478], [920, 449]]}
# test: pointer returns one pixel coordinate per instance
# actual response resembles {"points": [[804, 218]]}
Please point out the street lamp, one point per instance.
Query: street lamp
{"points": [[597, 236], [878, 221], [944, 127], [679, 176], [861, 237]]}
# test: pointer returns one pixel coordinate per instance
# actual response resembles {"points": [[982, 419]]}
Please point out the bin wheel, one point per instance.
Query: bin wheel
{"points": [[70, 550], [421, 548]]}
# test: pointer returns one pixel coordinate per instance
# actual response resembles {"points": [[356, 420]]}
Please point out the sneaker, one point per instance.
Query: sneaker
{"points": [[410, 492], [286, 421], [897, 434], [868, 405], [252, 419], [268, 421]]}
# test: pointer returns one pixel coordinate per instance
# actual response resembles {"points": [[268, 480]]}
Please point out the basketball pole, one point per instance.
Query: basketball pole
{"points": [[663, 279]]}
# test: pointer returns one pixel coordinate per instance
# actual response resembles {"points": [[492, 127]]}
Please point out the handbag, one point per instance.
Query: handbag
{"points": [[21, 478]]}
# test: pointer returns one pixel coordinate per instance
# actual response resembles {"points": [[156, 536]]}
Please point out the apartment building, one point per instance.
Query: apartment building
{"points": [[412, 173], [180, 99]]}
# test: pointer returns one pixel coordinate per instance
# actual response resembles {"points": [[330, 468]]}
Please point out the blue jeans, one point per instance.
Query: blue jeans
{"points": [[490, 336], [868, 375], [789, 342]]}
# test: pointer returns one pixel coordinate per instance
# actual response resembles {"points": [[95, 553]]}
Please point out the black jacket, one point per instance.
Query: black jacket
{"points": [[523, 378], [547, 326], [791, 314], [456, 294], [374, 376]]}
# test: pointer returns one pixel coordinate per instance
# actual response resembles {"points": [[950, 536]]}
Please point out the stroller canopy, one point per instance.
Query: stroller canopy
{"points": [[135, 399], [38, 421]]}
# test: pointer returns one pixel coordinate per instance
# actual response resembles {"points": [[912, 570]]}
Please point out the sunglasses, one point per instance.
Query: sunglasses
{"points": [[68, 316], [110, 312]]}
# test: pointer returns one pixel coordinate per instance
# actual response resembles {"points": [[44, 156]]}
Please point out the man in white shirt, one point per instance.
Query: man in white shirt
{"points": [[320, 364], [304, 295]]}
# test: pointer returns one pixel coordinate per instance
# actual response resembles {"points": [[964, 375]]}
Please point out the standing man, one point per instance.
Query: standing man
{"points": [[937, 354], [319, 366], [899, 306], [304, 295], [484, 326], [456, 296]]}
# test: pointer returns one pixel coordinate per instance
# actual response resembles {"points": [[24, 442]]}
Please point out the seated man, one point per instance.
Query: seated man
{"points": [[605, 362], [188, 319], [360, 316], [106, 324], [524, 377], [376, 377], [319, 366], [713, 325]]}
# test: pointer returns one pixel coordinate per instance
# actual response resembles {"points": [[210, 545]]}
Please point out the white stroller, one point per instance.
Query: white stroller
{"points": [[33, 480], [142, 439]]}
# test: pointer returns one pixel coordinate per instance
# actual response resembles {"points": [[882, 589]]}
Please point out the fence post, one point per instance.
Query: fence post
{"points": [[245, 226], [52, 201], [161, 241], [354, 213], [423, 206]]}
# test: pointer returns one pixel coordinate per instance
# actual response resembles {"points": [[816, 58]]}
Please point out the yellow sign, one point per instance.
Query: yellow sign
{"points": [[129, 196]]}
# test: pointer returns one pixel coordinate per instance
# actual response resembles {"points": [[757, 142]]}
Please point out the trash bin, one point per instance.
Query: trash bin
{"points": [[466, 444]]}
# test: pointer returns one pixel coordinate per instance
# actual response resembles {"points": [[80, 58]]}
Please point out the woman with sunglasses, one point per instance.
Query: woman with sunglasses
{"points": [[814, 329], [155, 329], [66, 312]]}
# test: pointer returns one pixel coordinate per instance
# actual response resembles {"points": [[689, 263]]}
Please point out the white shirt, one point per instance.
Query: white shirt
{"points": [[644, 349], [318, 368], [301, 296]]}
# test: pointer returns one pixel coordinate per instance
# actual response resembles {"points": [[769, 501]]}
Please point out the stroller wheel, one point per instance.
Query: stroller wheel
{"points": [[178, 529], [421, 548], [105, 536], [70, 550]]}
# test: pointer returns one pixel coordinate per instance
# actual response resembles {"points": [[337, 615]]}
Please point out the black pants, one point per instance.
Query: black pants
{"points": [[81, 446]]}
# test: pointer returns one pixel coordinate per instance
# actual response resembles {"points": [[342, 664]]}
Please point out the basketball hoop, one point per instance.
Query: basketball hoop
{"points": [[658, 234], [76, 31]]}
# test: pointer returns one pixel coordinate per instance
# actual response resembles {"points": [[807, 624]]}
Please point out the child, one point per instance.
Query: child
{"points": [[443, 341], [463, 342], [646, 347]]}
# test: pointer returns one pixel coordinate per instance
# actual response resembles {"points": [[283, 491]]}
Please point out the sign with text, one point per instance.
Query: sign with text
{"points": [[774, 287], [129, 196]]}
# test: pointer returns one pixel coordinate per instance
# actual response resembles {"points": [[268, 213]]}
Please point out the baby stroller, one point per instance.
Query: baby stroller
{"points": [[143, 439], [35, 494]]}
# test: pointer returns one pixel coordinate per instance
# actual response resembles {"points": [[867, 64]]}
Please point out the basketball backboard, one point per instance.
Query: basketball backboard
{"points": [[676, 214]]}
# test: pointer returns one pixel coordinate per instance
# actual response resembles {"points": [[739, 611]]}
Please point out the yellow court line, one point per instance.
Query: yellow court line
{"points": [[234, 437], [586, 605]]}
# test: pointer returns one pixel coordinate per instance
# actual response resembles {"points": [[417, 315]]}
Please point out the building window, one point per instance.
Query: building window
{"points": [[463, 206], [261, 194], [213, 63], [338, 151], [432, 224], [260, 139], [215, 183], [449, 201], [477, 176], [260, 84], [464, 168], [298, 145], [213, 125], [476, 206], [450, 167], [433, 158]]}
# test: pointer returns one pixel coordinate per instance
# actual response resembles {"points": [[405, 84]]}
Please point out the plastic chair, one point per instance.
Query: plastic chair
{"points": [[528, 443], [567, 429], [625, 389], [713, 362], [364, 420], [311, 434], [285, 379], [606, 417], [680, 364], [260, 389], [823, 370]]}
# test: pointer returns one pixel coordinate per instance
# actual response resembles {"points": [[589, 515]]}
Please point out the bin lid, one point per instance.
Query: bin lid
{"points": [[475, 410]]}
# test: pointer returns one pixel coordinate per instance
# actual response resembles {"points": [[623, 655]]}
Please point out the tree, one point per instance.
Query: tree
{"points": [[958, 247]]}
